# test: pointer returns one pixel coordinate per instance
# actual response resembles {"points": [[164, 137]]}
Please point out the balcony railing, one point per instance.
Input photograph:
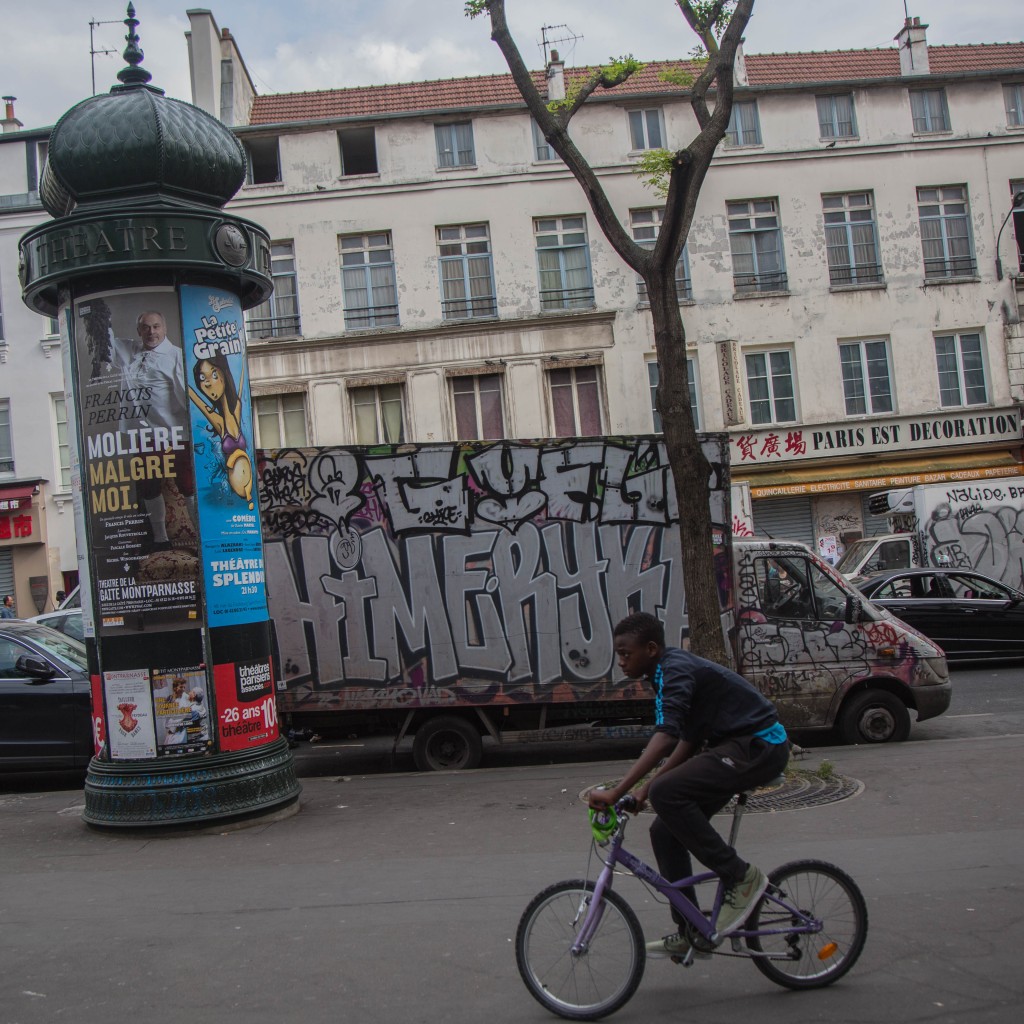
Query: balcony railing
{"points": [[684, 291], [567, 298], [274, 326], [860, 273], [468, 309], [751, 283], [958, 266], [362, 317]]}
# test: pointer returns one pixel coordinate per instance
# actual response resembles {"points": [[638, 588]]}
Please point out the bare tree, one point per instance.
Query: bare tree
{"points": [[719, 26]]}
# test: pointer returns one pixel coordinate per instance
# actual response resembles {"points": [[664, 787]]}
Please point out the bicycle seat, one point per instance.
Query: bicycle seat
{"points": [[775, 783]]}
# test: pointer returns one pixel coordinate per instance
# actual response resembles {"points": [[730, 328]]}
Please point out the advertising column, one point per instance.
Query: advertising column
{"points": [[150, 276]]}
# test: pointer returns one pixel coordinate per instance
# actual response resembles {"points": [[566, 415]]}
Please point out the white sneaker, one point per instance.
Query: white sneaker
{"points": [[739, 900]]}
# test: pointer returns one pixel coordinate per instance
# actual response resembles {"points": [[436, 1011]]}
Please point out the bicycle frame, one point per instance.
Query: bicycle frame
{"points": [[799, 923]]}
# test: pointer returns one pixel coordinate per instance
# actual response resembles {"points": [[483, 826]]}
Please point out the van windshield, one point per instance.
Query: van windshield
{"points": [[792, 587], [854, 554]]}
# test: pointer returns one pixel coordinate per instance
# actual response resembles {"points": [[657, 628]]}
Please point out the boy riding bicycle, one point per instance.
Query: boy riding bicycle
{"points": [[718, 736]]}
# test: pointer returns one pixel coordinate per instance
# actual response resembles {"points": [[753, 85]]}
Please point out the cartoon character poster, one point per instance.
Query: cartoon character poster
{"points": [[224, 453]]}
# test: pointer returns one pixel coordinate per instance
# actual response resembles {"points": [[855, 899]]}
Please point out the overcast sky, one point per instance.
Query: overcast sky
{"points": [[298, 45]]}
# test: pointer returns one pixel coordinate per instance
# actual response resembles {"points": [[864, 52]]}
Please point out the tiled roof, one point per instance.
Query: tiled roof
{"points": [[763, 69]]}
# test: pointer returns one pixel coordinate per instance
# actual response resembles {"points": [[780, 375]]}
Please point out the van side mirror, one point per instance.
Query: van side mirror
{"points": [[854, 610]]}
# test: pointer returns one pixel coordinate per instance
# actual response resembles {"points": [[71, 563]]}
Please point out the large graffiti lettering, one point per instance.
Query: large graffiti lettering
{"points": [[412, 574], [982, 528]]}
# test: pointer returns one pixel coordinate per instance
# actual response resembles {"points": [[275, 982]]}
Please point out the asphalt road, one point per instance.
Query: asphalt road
{"points": [[393, 898], [986, 702]]}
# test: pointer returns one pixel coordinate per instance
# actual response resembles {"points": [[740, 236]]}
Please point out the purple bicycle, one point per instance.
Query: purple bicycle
{"points": [[580, 948]]}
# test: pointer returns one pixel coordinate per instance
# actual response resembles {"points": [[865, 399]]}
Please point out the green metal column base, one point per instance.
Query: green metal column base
{"points": [[190, 789]]}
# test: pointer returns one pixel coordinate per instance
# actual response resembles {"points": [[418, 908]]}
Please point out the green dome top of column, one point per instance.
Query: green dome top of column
{"points": [[136, 144]]}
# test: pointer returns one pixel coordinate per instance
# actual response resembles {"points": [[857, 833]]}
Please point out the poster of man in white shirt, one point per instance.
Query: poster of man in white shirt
{"points": [[137, 475]]}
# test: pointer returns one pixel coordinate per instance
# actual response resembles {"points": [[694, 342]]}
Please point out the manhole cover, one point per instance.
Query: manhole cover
{"points": [[802, 788]]}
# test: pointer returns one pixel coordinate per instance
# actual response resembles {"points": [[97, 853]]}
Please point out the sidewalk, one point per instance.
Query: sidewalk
{"points": [[395, 898]]}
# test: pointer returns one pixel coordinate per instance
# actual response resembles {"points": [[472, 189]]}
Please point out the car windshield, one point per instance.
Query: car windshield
{"points": [[64, 648], [854, 554]]}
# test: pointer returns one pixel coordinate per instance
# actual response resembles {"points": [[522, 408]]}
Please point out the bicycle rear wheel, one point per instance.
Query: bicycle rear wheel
{"points": [[829, 895], [595, 982]]}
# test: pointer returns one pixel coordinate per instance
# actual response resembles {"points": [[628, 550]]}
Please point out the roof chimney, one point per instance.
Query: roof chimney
{"points": [[913, 48], [556, 78], [10, 123]]}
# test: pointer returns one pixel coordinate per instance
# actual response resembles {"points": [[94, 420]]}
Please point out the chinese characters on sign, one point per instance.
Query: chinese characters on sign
{"points": [[889, 436], [15, 527]]}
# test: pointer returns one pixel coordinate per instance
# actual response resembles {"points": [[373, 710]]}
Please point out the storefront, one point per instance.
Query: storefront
{"points": [[24, 562], [812, 483]]}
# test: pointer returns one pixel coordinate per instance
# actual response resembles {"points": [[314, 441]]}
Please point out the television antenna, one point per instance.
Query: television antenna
{"points": [[92, 46], [546, 43]]}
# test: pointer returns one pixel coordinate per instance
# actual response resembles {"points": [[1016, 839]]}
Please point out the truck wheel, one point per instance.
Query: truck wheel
{"points": [[446, 743], [874, 716]]}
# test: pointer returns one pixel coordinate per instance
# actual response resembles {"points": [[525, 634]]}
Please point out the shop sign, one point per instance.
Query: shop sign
{"points": [[19, 527], [882, 483], [892, 436], [729, 376]]}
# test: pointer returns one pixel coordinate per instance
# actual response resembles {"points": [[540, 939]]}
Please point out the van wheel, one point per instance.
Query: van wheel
{"points": [[874, 716], [446, 743]]}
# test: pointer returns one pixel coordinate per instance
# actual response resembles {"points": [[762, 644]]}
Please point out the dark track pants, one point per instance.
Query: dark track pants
{"points": [[686, 798]]}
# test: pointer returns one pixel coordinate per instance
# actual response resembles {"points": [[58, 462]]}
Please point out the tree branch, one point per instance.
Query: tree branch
{"points": [[554, 128], [691, 166]]}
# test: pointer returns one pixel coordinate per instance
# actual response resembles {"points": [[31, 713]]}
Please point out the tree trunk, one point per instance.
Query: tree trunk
{"points": [[691, 472]]}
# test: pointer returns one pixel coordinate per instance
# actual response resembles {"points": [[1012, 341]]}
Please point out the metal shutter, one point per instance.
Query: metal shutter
{"points": [[785, 519], [6, 573]]}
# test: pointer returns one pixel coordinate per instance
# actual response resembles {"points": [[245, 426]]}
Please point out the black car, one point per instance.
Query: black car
{"points": [[970, 616], [45, 716]]}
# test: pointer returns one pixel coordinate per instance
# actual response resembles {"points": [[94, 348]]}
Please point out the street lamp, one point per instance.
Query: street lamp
{"points": [[1018, 205]]}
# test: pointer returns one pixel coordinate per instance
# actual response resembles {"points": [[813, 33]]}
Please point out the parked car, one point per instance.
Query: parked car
{"points": [[970, 616], [45, 717], [65, 620]]}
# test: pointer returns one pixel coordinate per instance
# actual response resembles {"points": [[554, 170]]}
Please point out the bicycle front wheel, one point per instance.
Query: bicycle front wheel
{"points": [[802, 959], [595, 981]]}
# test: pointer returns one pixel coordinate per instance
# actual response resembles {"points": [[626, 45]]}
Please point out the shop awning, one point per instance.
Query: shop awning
{"points": [[14, 497], [880, 475]]}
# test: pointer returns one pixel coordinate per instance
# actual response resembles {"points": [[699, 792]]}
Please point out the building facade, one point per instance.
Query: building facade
{"points": [[37, 538], [439, 275]]}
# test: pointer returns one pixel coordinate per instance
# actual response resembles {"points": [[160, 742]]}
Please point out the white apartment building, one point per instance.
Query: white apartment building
{"points": [[37, 537], [439, 275]]}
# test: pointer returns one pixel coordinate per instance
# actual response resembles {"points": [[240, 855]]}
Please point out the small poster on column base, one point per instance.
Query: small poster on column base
{"points": [[130, 723]]}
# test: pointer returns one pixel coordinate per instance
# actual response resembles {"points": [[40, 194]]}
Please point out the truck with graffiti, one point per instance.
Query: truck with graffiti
{"points": [[975, 524], [453, 592]]}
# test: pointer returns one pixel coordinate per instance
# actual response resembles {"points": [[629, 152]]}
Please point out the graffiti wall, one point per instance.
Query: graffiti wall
{"points": [[978, 526], [425, 575]]}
